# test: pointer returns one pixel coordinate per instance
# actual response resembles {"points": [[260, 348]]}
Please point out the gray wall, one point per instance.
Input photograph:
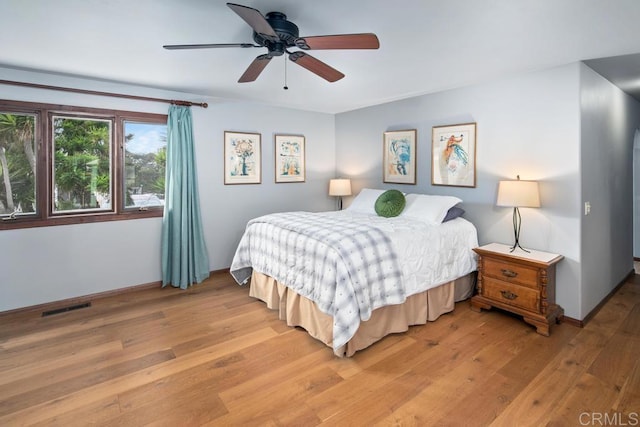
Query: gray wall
{"points": [[609, 122], [527, 126], [636, 194], [566, 127], [52, 263]]}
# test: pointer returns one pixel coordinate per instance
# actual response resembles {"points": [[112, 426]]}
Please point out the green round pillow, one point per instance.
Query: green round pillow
{"points": [[390, 203]]}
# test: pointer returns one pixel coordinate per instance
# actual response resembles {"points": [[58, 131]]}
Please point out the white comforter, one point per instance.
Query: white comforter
{"points": [[428, 255]]}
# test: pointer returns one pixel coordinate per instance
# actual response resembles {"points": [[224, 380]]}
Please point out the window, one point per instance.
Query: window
{"points": [[81, 164], [17, 163], [145, 158], [66, 165]]}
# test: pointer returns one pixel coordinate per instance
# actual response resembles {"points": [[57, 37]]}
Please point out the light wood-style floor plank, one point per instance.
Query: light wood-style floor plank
{"points": [[213, 356]]}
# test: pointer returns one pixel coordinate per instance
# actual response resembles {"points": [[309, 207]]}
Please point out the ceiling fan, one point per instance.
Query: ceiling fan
{"points": [[278, 35]]}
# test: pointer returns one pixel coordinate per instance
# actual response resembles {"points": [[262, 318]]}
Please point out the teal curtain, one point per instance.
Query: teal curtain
{"points": [[184, 254]]}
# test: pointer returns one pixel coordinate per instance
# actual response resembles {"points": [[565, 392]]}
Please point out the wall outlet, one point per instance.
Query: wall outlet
{"points": [[587, 208]]}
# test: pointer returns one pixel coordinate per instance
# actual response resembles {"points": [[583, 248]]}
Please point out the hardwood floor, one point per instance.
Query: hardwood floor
{"points": [[214, 356]]}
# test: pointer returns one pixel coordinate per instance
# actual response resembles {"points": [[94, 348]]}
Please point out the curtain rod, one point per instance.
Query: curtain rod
{"points": [[114, 95]]}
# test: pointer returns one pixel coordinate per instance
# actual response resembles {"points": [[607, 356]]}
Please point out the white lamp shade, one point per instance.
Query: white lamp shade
{"points": [[340, 187], [522, 194]]}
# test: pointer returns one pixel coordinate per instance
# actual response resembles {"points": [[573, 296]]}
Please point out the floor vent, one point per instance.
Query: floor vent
{"points": [[65, 309]]}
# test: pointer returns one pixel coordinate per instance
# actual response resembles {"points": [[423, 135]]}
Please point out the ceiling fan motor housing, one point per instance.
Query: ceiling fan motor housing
{"points": [[287, 32]]}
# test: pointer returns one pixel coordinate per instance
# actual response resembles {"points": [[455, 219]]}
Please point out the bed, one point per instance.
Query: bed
{"points": [[351, 277]]}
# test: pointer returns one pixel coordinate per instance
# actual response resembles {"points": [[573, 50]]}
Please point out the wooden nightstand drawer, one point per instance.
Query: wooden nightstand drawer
{"points": [[510, 272], [508, 293], [522, 282]]}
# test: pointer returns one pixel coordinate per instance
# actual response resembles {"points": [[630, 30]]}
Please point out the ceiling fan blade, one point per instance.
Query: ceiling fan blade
{"points": [[316, 66], [255, 68], [339, 41], [207, 46], [254, 18]]}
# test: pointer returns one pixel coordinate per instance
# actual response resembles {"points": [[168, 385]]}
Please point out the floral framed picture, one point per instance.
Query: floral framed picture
{"points": [[399, 156], [242, 158], [290, 158], [453, 155]]}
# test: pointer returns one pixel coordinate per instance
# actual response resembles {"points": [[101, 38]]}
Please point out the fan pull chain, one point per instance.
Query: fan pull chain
{"points": [[285, 87]]}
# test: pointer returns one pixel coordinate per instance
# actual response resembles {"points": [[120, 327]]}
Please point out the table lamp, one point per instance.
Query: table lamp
{"points": [[340, 187], [518, 194]]}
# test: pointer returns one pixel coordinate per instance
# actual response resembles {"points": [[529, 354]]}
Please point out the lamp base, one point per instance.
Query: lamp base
{"points": [[517, 245], [517, 222]]}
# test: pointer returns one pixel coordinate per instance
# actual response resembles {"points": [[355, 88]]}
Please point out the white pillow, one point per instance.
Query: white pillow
{"points": [[428, 208], [365, 201]]}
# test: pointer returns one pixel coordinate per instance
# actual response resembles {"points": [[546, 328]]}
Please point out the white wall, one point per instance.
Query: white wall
{"points": [[52, 263], [528, 126], [608, 126]]}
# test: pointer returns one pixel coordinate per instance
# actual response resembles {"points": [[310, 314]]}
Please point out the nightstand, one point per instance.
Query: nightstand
{"points": [[520, 282]]}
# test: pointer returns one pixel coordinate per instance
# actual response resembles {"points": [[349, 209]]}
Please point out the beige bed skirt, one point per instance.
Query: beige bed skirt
{"points": [[297, 310]]}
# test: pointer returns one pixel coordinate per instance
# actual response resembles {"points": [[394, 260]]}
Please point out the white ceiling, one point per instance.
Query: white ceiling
{"points": [[425, 45]]}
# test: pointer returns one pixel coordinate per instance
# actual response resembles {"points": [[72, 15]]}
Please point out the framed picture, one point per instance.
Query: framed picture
{"points": [[453, 155], [242, 158], [289, 153], [399, 156]]}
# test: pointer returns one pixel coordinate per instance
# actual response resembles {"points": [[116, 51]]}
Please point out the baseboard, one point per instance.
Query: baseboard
{"points": [[93, 297], [54, 305], [596, 309], [573, 322]]}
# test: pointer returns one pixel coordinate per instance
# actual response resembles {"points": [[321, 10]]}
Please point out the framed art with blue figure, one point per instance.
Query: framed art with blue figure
{"points": [[242, 158], [399, 156], [454, 155]]}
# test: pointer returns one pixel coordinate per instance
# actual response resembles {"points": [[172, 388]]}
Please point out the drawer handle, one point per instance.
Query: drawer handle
{"points": [[509, 295], [508, 273]]}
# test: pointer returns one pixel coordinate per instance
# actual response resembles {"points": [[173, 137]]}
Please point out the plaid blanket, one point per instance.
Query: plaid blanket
{"points": [[347, 268]]}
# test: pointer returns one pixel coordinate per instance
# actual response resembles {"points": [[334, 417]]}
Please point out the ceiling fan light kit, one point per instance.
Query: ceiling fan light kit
{"points": [[278, 34]]}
